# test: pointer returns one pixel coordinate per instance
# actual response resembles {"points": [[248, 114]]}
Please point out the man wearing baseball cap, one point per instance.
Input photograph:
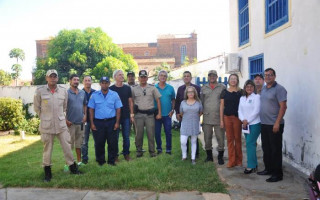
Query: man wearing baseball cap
{"points": [[144, 95], [105, 110], [50, 103], [259, 82], [210, 98], [131, 78]]}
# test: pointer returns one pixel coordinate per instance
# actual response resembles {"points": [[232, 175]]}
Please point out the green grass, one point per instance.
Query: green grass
{"points": [[22, 168]]}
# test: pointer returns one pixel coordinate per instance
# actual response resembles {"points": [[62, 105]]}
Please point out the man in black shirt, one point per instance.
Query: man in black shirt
{"points": [[127, 116]]}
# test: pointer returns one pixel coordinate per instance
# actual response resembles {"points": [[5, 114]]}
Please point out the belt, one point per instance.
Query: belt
{"points": [[106, 119]]}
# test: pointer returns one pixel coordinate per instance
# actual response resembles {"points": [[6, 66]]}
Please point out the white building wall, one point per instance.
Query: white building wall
{"points": [[294, 54]]}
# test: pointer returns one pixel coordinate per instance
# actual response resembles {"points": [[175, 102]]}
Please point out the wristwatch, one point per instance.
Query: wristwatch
{"points": [[131, 115]]}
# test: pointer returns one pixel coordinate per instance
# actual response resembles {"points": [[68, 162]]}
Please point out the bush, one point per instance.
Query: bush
{"points": [[11, 115], [30, 126]]}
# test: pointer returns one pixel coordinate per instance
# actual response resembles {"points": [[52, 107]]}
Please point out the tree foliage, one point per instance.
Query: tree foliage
{"points": [[17, 54], [16, 68], [164, 66], [5, 78], [88, 52]]}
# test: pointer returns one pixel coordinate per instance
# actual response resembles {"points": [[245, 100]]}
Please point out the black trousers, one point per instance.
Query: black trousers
{"points": [[272, 149], [105, 133]]}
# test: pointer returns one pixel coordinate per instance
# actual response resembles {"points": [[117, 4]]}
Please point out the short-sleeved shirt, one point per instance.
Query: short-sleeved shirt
{"points": [[180, 95], [88, 95], [270, 99], [191, 119], [144, 97], [104, 106], [167, 95], [231, 102], [75, 105], [124, 93]]}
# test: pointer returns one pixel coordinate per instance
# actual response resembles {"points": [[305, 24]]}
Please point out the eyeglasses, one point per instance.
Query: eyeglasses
{"points": [[268, 75], [190, 92], [144, 92]]}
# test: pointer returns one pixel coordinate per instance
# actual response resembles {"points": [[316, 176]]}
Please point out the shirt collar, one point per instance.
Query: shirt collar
{"points": [[165, 85], [56, 89]]}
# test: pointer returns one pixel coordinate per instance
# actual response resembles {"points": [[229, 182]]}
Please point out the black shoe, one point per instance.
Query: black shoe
{"points": [[274, 179], [220, 158], [74, 169], [139, 155], [47, 174], [159, 152], [85, 162], [209, 156], [247, 171], [264, 172], [153, 155], [168, 152]]}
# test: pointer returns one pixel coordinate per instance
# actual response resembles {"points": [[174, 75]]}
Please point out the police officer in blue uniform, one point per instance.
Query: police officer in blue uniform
{"points": [[105, 108]]}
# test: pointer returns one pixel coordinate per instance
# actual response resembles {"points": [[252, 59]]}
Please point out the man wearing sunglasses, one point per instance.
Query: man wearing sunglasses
{"points": [[143, 96]]}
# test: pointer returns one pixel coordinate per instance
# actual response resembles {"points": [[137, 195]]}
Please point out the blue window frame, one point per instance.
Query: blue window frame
{"points": [[243, 22], [276, 14], [256, 65], [183, 53]]}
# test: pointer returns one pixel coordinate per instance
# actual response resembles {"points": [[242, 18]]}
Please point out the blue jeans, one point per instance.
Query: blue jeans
{"points": [[251, 140], [84, 147], [166, 121], [125, 129]]}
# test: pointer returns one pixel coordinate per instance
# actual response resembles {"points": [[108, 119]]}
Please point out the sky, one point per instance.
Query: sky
{"points": [[22, 22]]}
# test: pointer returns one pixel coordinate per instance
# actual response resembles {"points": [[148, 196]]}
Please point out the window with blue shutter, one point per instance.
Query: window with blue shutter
{"points": [[256, 65], [276, 14], [183, 53], [243, 22]]}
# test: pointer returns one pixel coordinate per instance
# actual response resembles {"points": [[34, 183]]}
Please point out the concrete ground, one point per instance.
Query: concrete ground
{"points": [[240, 187], [254, 187]]}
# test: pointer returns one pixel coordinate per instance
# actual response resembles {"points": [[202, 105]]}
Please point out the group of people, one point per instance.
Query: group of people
{"points": [[72, 114]]}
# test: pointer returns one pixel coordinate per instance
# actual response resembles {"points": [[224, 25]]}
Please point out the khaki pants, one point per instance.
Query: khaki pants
{"points": [[48, 140], [141, 121], [208, 133], [77, 135]]}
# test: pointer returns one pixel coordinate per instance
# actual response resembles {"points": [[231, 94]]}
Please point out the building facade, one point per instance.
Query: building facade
{"points": [[284, 35], [171, 49]]}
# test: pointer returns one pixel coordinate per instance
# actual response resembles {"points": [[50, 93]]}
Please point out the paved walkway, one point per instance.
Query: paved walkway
{"points": [[254, 187], [69, 194], [240, 186]]}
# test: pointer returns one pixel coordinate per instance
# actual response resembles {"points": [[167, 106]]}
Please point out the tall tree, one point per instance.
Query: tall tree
{"points": [[17, 68], [88, 52]]}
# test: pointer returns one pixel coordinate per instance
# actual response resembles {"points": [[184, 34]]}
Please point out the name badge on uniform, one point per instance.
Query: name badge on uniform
{"points": [[45, 101], [250, 101]]}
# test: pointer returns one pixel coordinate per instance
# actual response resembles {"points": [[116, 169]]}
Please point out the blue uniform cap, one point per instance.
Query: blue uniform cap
{"points": [[104, 78]]}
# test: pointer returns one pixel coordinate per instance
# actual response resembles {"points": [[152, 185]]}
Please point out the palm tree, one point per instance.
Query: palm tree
{"points": [[18, 54]]}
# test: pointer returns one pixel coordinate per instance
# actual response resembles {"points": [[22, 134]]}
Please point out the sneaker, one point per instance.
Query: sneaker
{"points": [[66, 168], [80, 164], [193, 162], [85, 162]]}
